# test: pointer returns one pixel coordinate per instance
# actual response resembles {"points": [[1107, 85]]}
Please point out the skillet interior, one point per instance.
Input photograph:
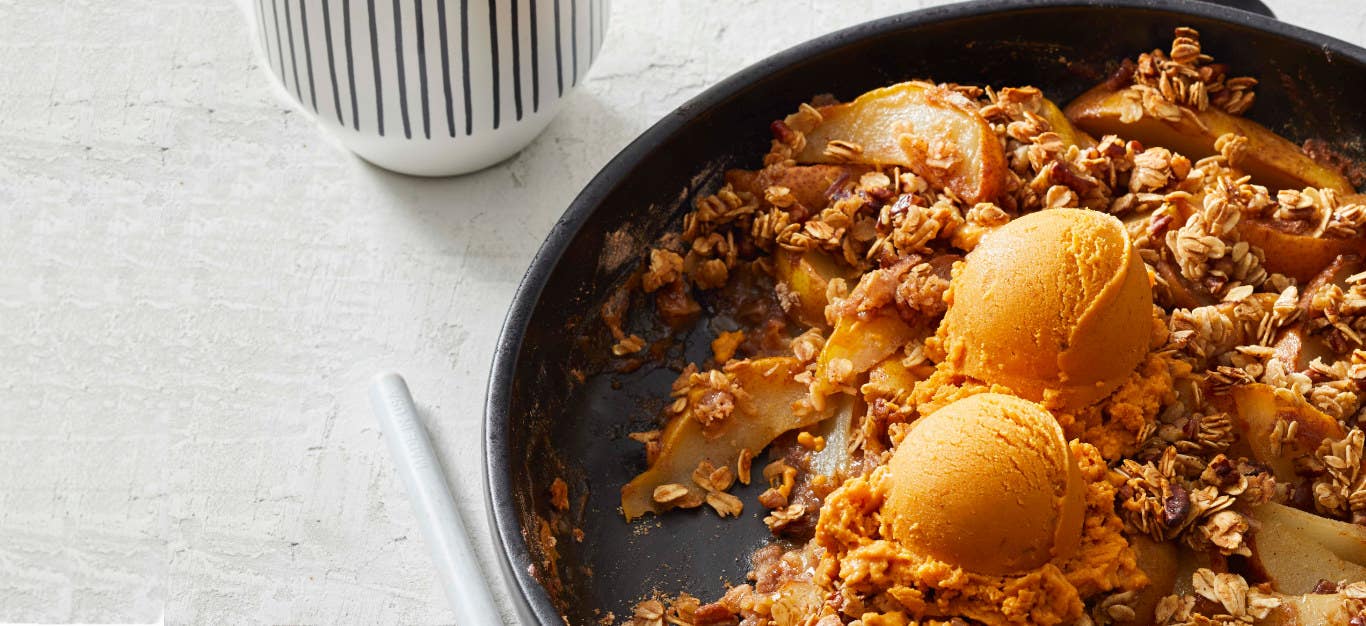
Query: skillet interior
{"points": [[542, 422]]}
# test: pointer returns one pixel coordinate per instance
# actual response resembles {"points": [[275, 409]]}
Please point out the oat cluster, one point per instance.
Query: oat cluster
{"points": [[1161, 499], [1187, 77]]}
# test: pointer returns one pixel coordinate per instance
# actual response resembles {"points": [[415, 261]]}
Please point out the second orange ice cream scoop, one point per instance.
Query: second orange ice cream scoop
{"points": [[988, 484]]}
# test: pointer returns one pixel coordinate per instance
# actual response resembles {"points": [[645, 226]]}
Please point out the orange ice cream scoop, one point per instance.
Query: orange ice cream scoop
{"points": [[1056, 305], [988, 484]]}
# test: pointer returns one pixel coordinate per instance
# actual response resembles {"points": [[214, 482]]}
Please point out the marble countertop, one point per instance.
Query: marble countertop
{"points": [[196, 286]]}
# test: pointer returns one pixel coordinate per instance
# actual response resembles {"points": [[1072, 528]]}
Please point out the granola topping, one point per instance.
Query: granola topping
{"points": [[1188, 77]]}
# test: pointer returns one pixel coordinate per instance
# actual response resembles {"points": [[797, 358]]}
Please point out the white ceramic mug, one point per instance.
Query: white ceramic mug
{"points": [[430, 87]]}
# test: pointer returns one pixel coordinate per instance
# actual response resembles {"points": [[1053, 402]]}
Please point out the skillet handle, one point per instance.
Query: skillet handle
{"points": [[1251, 6]]}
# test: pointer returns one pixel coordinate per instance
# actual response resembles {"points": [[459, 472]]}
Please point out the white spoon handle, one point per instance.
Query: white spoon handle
{"points": [[433, 506]]}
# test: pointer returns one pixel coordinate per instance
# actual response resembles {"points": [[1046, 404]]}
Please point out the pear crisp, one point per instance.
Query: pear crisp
{"points": [[992, 360]]}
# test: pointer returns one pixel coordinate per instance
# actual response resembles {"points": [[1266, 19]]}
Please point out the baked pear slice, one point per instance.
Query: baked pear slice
{"points": [[930, 130], [1295, 347], [811, 185], [1071, 135], [1297, 549], [1311, 608], [1161, 563], [764, 409], [1298, 255], [1270, 159], [1256, 413], [857, 345], [805, 277]]}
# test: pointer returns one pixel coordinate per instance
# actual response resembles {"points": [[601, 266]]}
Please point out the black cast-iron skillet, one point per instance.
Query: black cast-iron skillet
{"points": [[557, 407]]}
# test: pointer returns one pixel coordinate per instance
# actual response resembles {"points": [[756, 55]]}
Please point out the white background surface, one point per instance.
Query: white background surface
{"points": [[195, 287]]}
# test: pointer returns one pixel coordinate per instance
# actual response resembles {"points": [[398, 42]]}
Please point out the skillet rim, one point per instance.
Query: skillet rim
{"points": [[532, 604]]}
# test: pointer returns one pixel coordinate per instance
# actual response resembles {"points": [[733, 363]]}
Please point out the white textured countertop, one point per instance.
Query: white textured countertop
{"points": [[195, 287]]}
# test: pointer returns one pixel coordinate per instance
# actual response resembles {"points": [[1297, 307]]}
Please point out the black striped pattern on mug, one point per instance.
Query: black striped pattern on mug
{"points": [[442, 67]]}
